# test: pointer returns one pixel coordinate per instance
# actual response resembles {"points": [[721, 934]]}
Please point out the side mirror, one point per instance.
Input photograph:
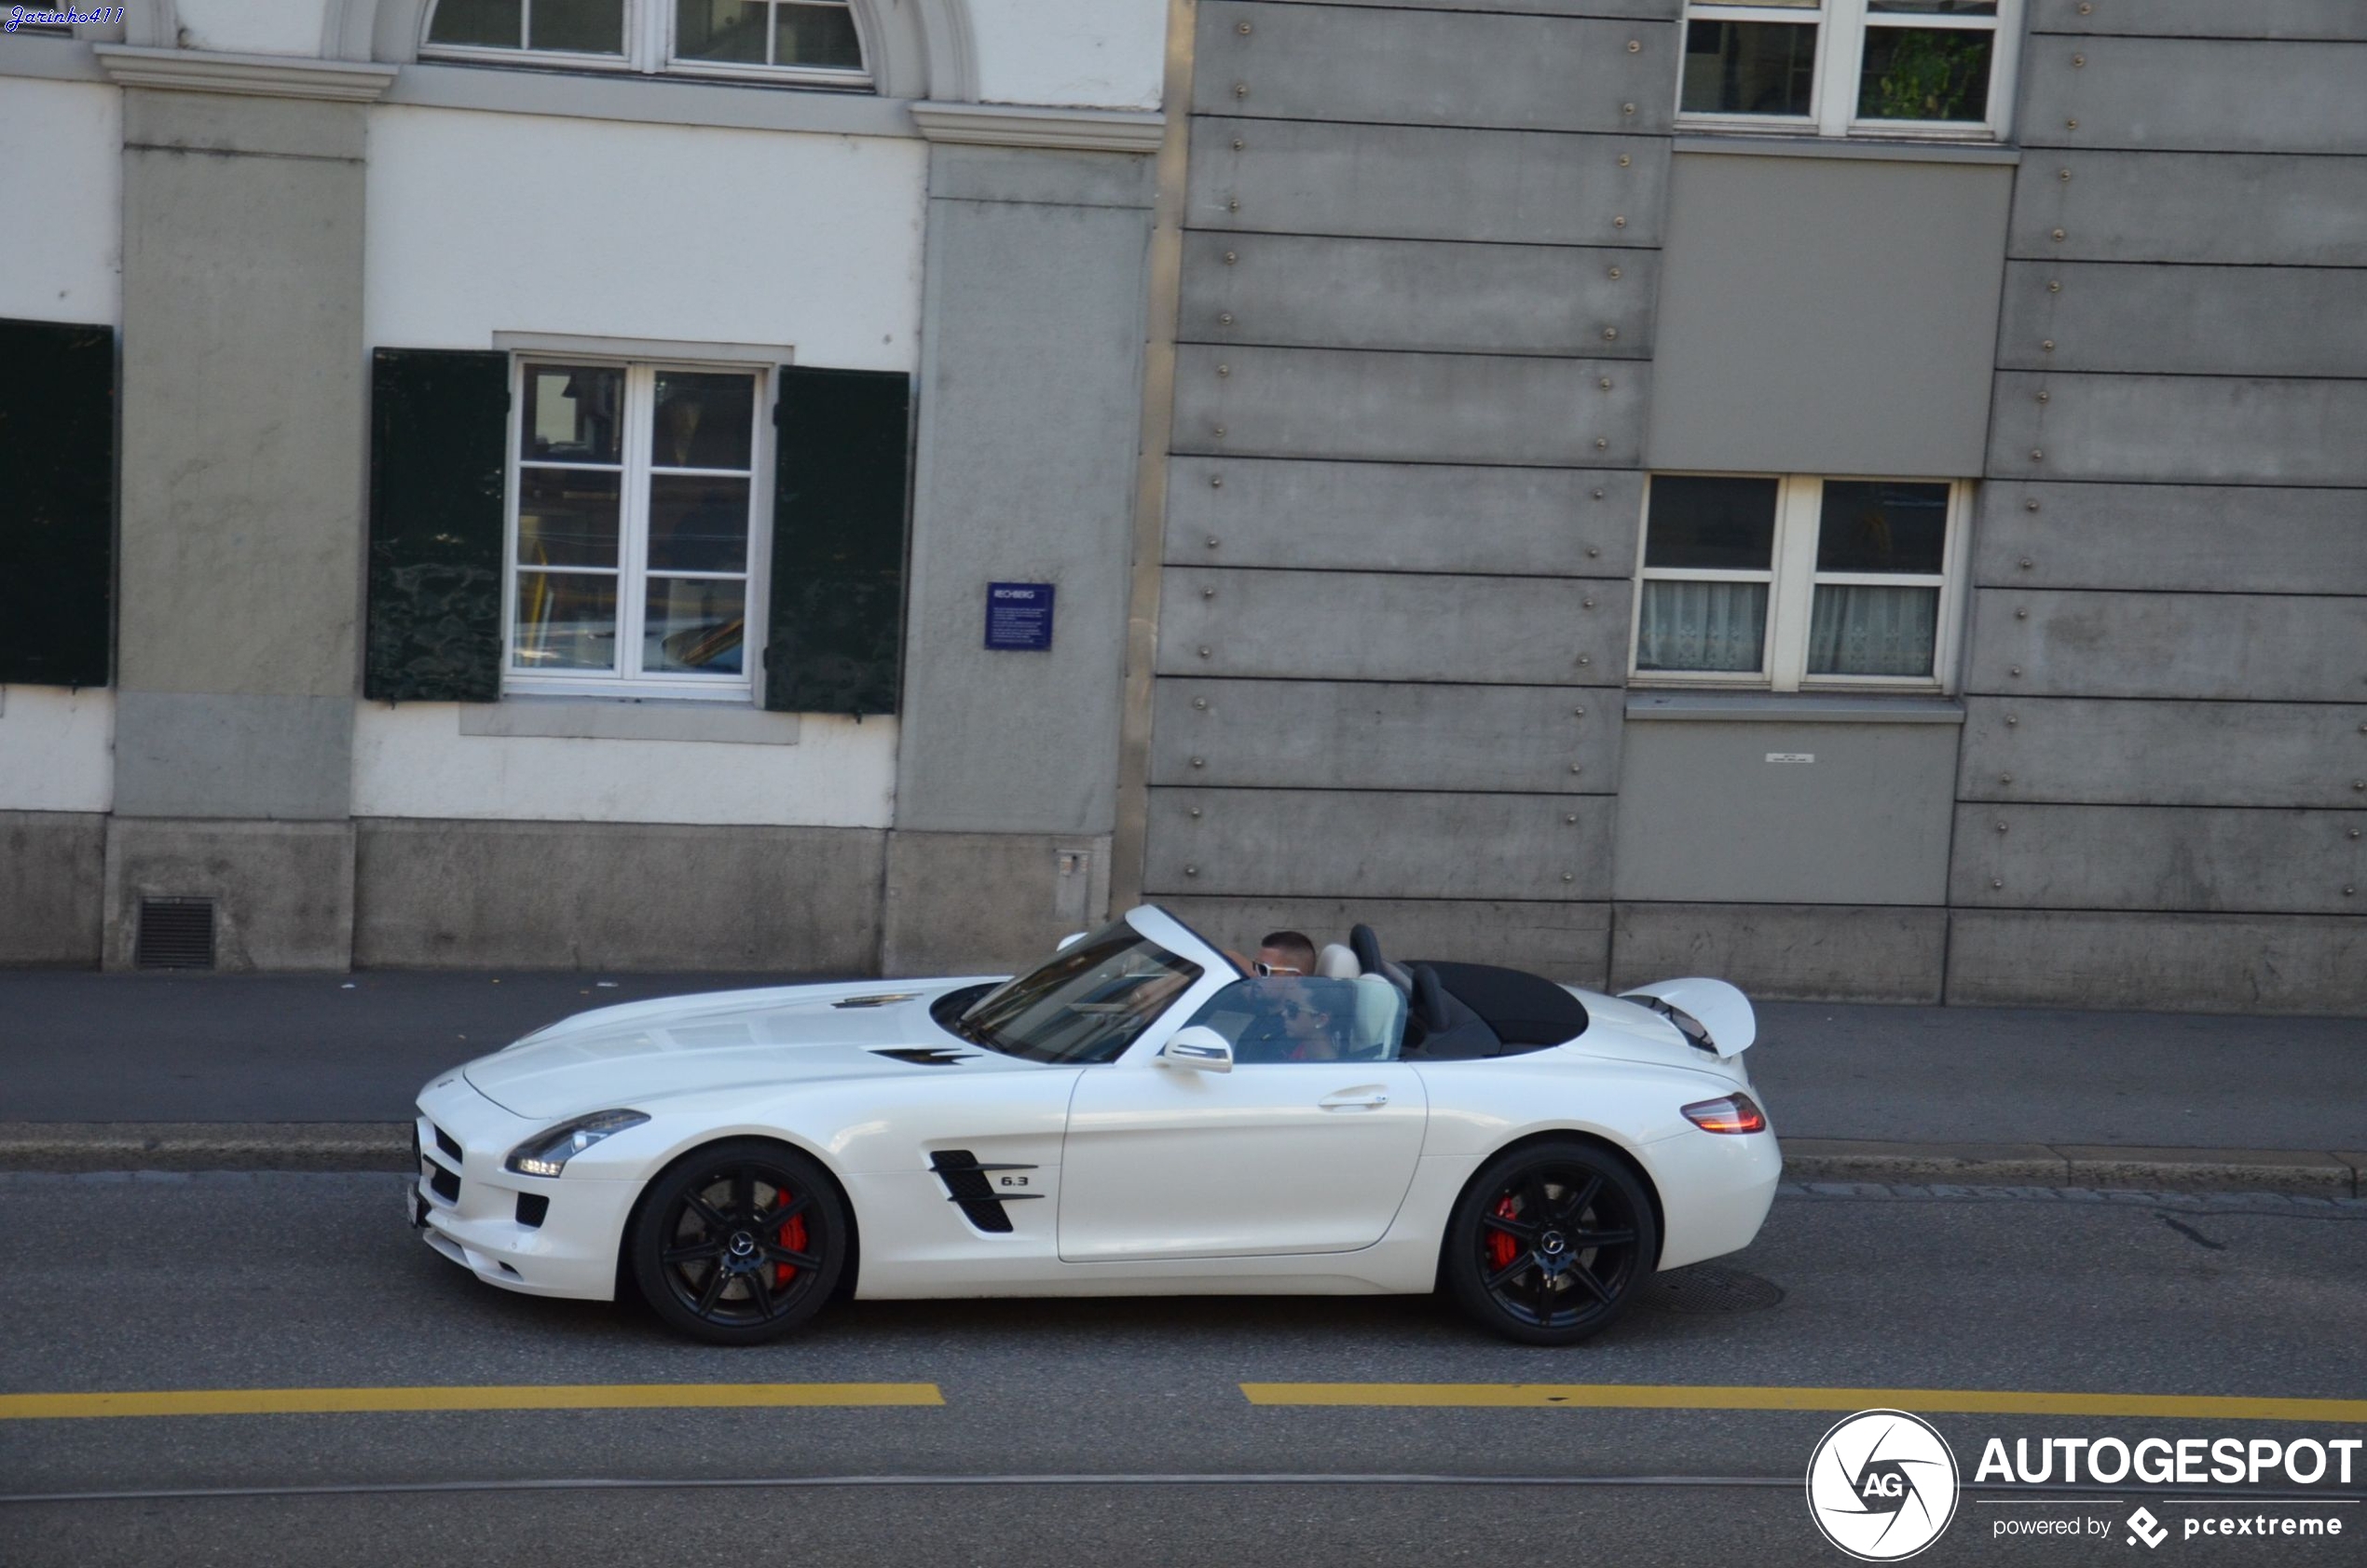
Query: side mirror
{"points": [[1198, 1048], [1071, 940]]}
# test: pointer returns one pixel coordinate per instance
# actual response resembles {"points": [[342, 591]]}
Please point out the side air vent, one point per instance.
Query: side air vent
{"points": [[174, 934], [966, 1183], [927, 1056], [449, 1144], [443, 1183]]}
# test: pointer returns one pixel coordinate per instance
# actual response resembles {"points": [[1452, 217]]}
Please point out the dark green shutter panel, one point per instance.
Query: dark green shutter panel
{"points": [[837, 624], [439, 446], [57, 503]]}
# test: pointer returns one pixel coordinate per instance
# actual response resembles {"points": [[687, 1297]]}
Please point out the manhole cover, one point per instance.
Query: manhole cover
{"points": [[1705, 1287]]}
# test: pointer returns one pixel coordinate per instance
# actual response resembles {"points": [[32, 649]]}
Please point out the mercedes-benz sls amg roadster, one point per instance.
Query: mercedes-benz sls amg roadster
{"points": [[1142, 1114]]}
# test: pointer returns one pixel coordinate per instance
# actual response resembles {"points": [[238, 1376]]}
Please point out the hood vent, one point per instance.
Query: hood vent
{"points": [[883, 999], [927, 1056]]}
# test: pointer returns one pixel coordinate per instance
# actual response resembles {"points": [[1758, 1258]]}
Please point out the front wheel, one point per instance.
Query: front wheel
{"points": [[1550, 1243], [739, 1241]]}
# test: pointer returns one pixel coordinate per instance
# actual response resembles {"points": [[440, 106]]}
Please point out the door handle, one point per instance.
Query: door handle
{"points": [[1367, 1099]]}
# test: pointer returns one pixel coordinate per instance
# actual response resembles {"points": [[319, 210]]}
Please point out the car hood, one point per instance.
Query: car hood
{"points": [[760, 1040]]}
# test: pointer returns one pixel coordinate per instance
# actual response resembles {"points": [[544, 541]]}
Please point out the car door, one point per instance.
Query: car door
{"points": [[1274, 1156]]}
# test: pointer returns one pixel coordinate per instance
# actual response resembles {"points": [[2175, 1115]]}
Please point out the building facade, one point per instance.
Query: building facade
{"points": [[1867, 498]]}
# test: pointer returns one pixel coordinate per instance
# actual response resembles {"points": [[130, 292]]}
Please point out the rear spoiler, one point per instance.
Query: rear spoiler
{"points": [[1722, 1014]]}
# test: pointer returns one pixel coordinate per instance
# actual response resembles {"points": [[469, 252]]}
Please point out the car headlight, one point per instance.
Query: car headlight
{"points": [[547, 1152]]}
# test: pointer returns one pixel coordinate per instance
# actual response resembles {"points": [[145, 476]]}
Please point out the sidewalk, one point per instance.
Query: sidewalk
{"points": [[111, 1071]]}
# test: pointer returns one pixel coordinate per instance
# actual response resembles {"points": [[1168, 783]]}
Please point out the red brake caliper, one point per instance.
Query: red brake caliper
{"points": [[793, 1237], [1503, 1249]]}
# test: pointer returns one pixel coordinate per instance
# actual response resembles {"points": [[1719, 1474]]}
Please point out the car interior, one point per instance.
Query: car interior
{"points": [[1461, 1011]]}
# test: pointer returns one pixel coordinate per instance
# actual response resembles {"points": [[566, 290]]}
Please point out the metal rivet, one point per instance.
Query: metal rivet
{"points": [[1191, 870], [2054, 285], [2085, 9], [2059, 234], [1212, 541], [1224, 370], [2023, 562], [2362, 728], [1233, 204], [2031, 505], [1219, 429], [2037, 455], [1627, 108], [1604, 383], [1240, 89], [1576, 769], [1618, 223], [2005, 778], [2354, 833], [1215, 482], [1636, 45], [1584, 659], [2011, 719], [1225, 318], [1230, 257], [1578, 713], [2046, 397], [1196, 810], [1199, 701], [1599, 495], [1602, 444], [1569, 817], [1569, 877], [1625, 160], [2071, 125], [1586, 604], [2014, 671], [2018, 615], [1610, 335], [1203, 651], [1594, 550], [2001, 828], [1207, 593], [2047, 344], [1997, 881], [2358, 784], [2062, 173], [2348, 891], [1238, 144], [1243, 29], [2078, 61], [1199, 762], [1615, 272]]}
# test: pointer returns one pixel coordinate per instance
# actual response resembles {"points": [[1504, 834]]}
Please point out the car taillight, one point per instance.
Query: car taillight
{"points": [[1730, 1113]]}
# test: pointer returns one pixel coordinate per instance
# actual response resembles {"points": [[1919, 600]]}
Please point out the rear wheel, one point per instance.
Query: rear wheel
{"points": [[1550, 1244], [739, 1241]]}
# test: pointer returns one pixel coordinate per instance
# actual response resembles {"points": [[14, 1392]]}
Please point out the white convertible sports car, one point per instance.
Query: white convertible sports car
{"points": [[1137, 1116]]}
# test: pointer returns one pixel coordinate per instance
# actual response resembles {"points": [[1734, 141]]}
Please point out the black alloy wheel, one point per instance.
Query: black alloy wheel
{"points": [[1550, 1243], [739, 1241]]}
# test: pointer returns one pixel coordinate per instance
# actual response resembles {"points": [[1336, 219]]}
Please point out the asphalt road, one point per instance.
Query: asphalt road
{"points": [[231, 1281]]}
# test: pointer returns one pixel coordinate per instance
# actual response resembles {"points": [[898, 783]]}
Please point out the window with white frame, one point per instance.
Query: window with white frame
{"points": [[633, 490], [1792, 583], [1850, 67], [813, 42]]}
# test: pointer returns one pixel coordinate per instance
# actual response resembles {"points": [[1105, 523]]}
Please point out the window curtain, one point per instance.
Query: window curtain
{"points": [[1866, 631], [1702, 625]]}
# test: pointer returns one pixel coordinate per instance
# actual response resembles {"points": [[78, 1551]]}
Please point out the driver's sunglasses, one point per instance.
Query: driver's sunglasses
{"points": [[1269, 970], [1290, 1010]]}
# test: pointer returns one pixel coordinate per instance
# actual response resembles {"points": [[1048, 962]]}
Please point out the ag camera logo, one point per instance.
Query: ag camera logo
{"points": [[1881, 1485]]}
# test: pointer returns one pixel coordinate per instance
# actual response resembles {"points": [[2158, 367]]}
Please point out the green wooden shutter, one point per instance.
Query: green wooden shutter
{"points": [[837, 623], [439, 447], [57, 503]]}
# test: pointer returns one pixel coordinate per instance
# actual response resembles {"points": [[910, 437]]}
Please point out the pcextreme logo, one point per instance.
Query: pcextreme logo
{"points": [[1881, 1485]]}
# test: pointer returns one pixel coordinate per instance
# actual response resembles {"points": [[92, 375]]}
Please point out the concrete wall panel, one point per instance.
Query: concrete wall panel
{"points": [[1376, 626], [2200, 95], [188, 755], [283, 891], [53, 865], [2203, 18], [2187, 320], [2200, 428], [2100, 751], [1820, 952], [1043, 887], [1308, 843], [1569, 943], [1412, 67], [1442, 408], [1726, 813], [2158, 858], [2160, 962], [1030, 412], [2257, 647], [2254, 209], [1795, 335], [1243, 511], [593, 895], [1427, 294], [1419, 183], [1374, 735], [2191, 537], [67, 265]]}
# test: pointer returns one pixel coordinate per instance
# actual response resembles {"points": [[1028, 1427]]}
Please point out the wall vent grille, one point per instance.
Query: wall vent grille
{"points": [[175, 933]]}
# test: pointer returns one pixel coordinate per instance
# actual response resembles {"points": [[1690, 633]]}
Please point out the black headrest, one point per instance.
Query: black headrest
{"points": [[1450, 1030], [1366, 945]]}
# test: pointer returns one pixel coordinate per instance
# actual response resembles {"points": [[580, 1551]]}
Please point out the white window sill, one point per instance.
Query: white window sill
{"points": [[1762, 143], [1789, 707], [578, 718]]}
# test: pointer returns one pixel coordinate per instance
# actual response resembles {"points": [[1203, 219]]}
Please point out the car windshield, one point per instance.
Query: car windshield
{"points": [[1086, 1005]]}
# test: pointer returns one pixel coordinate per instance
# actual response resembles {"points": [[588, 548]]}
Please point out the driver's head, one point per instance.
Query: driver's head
{"points": [[1285, 952]]}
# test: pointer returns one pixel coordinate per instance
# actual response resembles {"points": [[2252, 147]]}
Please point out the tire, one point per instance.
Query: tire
{"points": [[739, 1241], [1568, 1277]]}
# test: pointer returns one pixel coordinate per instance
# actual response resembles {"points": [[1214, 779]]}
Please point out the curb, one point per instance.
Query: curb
{"points": [[87, 1146]]}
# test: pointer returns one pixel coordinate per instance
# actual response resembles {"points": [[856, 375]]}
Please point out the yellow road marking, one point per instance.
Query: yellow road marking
{"points": [[1681, 1396], [548, 1396]]}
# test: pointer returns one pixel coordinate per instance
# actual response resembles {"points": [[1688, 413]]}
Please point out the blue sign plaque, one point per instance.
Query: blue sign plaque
{"points": [[1019, 615]]}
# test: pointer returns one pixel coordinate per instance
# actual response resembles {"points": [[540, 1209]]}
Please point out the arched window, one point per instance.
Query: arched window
{"points": [[810, 43]]}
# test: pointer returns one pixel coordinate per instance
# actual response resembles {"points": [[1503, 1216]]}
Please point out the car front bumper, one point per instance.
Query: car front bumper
{"points": [[484, 1218]]}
